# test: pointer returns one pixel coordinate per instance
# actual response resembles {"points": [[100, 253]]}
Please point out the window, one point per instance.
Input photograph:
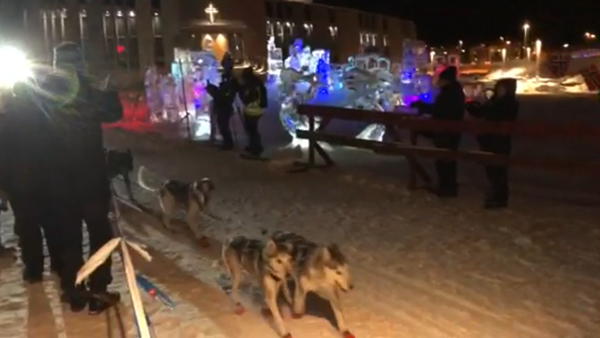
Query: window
{"points": [[308, 27], [63, 18], [270, 29], [332, 17], [289, 11], [279, 30], [307, 13], [110, 43], [333, 31], [385, 41], [290, 28], [269, 9], [132, 25], [279, 9], [83, 22], [120, 25], [236, 46], [156, 25], [109, 26]]}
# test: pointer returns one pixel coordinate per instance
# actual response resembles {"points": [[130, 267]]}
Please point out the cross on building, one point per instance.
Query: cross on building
{"points": [[211, 11]]}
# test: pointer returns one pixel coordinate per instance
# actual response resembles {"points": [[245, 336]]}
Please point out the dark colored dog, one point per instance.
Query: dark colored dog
{"points": [[120, 163]]}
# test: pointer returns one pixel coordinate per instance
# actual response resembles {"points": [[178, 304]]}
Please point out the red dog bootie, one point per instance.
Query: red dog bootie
{"points": [[348, 334], [204, 242], [239, 309]]}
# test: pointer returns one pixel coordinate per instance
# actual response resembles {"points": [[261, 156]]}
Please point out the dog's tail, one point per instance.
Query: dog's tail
{"points": [[141, 181]]}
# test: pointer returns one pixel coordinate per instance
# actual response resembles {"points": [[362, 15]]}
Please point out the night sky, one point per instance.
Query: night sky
{"points": [[474, 21]]}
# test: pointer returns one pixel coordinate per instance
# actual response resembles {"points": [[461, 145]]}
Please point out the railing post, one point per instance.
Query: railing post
{"points": [[311, 139]]}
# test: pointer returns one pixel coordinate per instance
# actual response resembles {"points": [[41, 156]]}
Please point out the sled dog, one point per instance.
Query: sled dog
{"points": [[120, 163], [268, 263], [173, 195], [320, 269]]}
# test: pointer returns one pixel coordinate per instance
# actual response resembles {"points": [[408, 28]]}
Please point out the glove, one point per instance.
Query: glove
{"points": [[416, 104]]}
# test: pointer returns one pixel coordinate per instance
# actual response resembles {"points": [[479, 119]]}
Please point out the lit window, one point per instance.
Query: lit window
{"points": [[333, 30], [309, 28]]}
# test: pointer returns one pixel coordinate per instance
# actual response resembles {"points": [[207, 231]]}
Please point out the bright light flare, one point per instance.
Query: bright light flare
{"points": [[14, 67]]}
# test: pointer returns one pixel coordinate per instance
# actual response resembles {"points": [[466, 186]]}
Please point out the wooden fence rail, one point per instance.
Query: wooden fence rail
{"points": [[393, 145]]}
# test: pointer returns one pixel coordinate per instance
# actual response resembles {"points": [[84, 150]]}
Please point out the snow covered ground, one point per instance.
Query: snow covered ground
{"points": [[423, 267]]}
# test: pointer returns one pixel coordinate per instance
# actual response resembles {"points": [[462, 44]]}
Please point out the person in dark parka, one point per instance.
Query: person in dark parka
{"points": [[26, 148], [222, 105], [81, 186], [449, 105], [253, 95], [502, 107]]}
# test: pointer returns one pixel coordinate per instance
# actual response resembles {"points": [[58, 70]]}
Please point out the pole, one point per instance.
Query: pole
{"points": [[143, 325], [187, 113]]}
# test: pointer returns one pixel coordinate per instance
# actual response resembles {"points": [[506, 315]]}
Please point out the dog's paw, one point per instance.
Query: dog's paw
{"points": [[348, 334], [287, 335], [239, 309], [297, 315]]}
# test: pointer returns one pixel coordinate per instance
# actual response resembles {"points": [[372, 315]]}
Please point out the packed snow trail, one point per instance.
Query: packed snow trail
{"points": [[424, 268]]}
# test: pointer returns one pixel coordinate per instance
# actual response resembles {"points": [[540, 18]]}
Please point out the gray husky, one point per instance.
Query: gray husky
{"points": [[320, 269], [268, 263]]}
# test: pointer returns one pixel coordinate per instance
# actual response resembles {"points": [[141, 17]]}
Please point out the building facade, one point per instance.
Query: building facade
{"points": [[132, 34]]}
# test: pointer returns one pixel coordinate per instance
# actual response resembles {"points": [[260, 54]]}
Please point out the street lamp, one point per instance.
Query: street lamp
{"points": [[525, 34], [566, 45], [538, 55]]}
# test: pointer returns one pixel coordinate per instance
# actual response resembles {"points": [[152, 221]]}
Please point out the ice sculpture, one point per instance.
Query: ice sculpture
{"points": [[293, 60], [306, 74], [274, 60], [191, 72], [152, 91], [415, 83]]}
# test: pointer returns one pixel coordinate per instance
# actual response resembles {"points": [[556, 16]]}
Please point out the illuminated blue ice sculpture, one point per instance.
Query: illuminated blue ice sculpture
{"points": [[415, 83]]}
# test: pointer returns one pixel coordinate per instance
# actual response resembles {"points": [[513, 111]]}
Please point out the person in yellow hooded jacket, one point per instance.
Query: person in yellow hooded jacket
{"points": [[253, 95]]}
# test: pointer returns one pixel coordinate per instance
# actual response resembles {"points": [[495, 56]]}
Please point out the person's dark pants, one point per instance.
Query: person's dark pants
{"points": [[223, 123], [498, 178], [95, 215], [446, 169], [28, 217], [446, 176], [51, 228], [251, 123]]}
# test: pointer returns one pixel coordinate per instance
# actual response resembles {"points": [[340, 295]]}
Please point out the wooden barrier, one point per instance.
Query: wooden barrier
{"points": [[393, 145]]}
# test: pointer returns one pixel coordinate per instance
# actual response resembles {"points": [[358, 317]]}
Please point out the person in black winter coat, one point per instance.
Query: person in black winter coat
{"points": [[222, 105], [502, 107], [26, 148], [253, 95], [80, 185], [449, 105]]}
